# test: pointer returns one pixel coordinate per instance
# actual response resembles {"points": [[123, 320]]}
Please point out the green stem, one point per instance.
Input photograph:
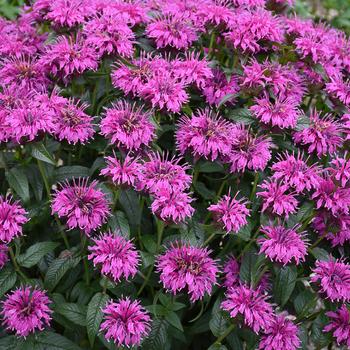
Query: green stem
{"points": [[255, 185], [16, 266], [252, 240], [85, 260], [317, 242], [211, 44], [207, 241], [148, 276], [224, 335]]}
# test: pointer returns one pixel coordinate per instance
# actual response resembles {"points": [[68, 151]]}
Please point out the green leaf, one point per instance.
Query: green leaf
{"points": [[94, 315], [284, 284], [227, 98], [40, 152], [204, 191], [8, 279], [241, 115], [35, 253], [49, 341], [251, 267], [217, 347], [57, 270], [75, 313], [69, 172], [320, 254], [318, 337], [174, 320], [18, 182], [210, 167], [130, 203], [11, 342], [217, 323], [158, 338], [118, 223], [305, 302]]}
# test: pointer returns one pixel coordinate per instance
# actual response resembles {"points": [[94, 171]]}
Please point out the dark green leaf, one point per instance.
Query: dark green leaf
{"points": [[8, 279], [50, 341], [19, 183], [241, 115], [174, 320], [119, 224], [284, 284], [73, 312], [320, 254], [218, 323], [35, 252], [157, 339], [251, 267], [130, 203], [40, 152], [305, 302], [69, 172]]}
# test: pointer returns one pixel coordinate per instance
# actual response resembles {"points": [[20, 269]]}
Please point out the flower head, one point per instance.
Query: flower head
{"points": [[231, 270], [339, 325], [125, 172], [26, 310], [251, 304], [127, 126], [231, 213], [281, 334], [126, 323], [116, 256], [12, 218], [4, 258], [340, 88], [340, 169], [204, 134], [283, 244], [276, 197], [334, 279], [84, 206], [183, 266]]}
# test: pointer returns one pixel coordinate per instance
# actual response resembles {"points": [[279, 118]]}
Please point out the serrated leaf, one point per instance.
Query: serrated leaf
{"points": [[75, 313], [35, 253], [304, 302], [69, 172], [241, 115], [157, 339], [130, 203], [217, 323], [40, 152], [94, 315], [217, 347], [320, 254], [57, 270], [50, 341], [118, 223], [227, 98], [174, 320], [252, 264], [19, 183], [11, 342], [284, 284], [8, 279]]}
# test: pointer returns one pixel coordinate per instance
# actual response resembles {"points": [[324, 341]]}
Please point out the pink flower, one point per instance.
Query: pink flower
{"points": [[248, 150], [84, 206], [12, 218], [117, 257], [25, 72], [335, 228], [171, 31], [257, 313], [165, 91], [133, 12], [126, 323], [162, 172], [231, 270], [25, 310], [340, 170], [69, 56], [322, 136], [217, 13], [283, 244], [283, 112], [277, 199], [295, 172], [172, 205], [127, 125], [231, 213], [71, 123], [218, 86], [339, 325], [183, 266], [204, 134], [334, 279], [329, 195], [250, 29], [125, 172], [345, 120], [109, 34], [340, 88], [4, 258], [281, 334]]}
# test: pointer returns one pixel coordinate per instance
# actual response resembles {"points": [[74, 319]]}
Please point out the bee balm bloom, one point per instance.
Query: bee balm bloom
{"points": [[3, 255], [26, 310], [126, 323], [183, 266], [340, 325]]}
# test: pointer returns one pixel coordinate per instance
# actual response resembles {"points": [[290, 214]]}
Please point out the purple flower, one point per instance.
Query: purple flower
{"points": [[283, 244], [248, 151], [84, 206], [277, 199], [281, 334], [126, 323], [127, 126], [340, 325], [323, 135], [293, 171], [231, 270], [4, 258], [204, 134], [183, 266], [340, 88], [171, 31], [231, 213], [217, 86], [160, 172], [12, 218], [25, 310], [172, 205], [340, 170], [257, 313], [334, 279], [125, 172], [117, 257]]}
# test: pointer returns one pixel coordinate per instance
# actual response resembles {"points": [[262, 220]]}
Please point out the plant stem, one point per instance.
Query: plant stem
{"points": [[85, 260], [224, 335], [16, 266], [207, 241], [255, 185], [252, 240]]}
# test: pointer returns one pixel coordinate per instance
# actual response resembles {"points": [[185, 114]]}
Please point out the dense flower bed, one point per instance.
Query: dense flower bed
{"points": [[174, 175]]}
